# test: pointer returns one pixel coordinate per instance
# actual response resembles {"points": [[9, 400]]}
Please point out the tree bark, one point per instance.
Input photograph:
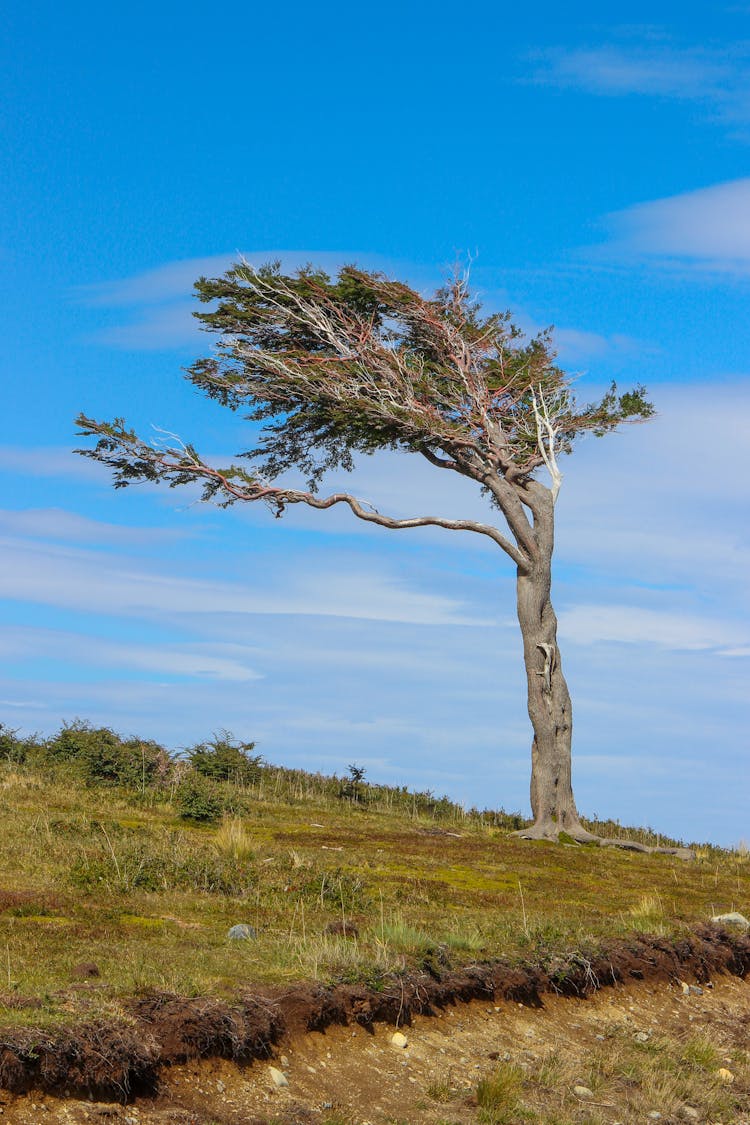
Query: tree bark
{"points": [[552, 803]]}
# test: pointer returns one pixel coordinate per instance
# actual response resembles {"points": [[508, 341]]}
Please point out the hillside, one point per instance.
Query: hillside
{"points": [[124, 870]]}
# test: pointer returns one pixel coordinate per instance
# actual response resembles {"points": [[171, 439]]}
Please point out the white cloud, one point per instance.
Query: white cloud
{"points": [[189, 660], [96, 583], [709, 228], [716, 78], [629, 624], [59, 524], [47, 461], [160, 300]]}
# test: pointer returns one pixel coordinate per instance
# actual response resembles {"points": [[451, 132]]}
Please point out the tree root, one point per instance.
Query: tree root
{"points": [[576, 833]]}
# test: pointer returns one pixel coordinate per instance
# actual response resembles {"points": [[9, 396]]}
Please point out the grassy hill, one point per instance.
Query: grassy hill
{"points": [[117, 856]]}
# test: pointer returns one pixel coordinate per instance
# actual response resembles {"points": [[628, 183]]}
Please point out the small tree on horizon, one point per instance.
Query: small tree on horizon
{"points": [[333, 367]]}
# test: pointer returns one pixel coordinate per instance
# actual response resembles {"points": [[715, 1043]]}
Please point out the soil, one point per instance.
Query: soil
{"points": [[204, 1062]]}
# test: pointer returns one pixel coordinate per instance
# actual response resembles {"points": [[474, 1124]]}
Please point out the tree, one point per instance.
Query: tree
{"points": [[357, 363]]}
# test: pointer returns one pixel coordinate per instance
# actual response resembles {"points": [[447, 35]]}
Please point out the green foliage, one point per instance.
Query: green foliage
{"points": [[334, 366], [498, 1096], [12, 748], [101, 757], [222, 758], [352, 787], [199, 799]]}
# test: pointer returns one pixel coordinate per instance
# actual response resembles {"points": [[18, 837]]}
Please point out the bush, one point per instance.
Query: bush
{"points": [[198, 798], [12, 749], [223, 758], [101, 757]]}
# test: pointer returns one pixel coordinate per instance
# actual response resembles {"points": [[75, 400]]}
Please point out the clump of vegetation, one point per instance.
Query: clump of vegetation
{"points": [[499, 1097], [222, 758], [199, 799]]}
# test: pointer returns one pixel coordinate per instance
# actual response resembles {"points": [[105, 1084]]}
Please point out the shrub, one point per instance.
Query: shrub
{"points": [[101, 757], [198, 798], [12, 749], [222, 758]]}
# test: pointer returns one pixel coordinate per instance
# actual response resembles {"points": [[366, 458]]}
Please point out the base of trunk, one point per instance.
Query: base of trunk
{"points": [[577, 834]]}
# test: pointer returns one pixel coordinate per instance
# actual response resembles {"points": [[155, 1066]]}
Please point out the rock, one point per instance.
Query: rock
{"points": [[732, 919], [583, 1092], [398, 1039], [641, 1037], [724, 1074], [690, 1112], [241, 932], [654, 1115], [277, 1077]]}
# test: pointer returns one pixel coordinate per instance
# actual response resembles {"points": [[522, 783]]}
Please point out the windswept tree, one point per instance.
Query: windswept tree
{"points": [[337, 367]]}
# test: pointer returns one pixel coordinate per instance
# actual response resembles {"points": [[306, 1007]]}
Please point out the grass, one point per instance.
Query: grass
{"points": [[114, 875], [626, 1078]]}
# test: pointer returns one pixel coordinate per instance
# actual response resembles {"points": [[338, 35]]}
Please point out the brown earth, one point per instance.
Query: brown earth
{"points": [[188, 1062]]}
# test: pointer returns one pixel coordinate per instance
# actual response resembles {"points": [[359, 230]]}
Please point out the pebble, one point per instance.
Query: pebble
{"points": [[641, 1037], [691, 1112], [724, 1074], [734, 918], [398, 1039], [583, 1092], [241, 932], [277, 1077], [654, 1115]]}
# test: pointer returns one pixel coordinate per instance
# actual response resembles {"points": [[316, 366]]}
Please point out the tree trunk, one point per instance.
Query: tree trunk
{"points": [[552, 802]]}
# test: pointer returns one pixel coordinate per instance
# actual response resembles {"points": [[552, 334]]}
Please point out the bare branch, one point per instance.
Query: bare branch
{"points": [[133, 459], [546, 434]]}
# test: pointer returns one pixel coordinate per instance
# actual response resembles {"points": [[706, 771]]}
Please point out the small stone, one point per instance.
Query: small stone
{"points": [[641, 1037], [241, 932], [724, 1074], [583, 1092], [695, 990], [691, 1112], [284, 1061], [277, 1077], [654, 1115], [732, 919], [685, 988], [220, 1086], [398, 1039]]}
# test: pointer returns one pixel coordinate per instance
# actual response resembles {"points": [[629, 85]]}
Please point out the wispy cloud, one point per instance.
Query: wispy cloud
{"points": [[714, 78], [158, 304], [707, 229], [76, 579], [636, 625], [61, 525], [46, 461], [230, 662]]}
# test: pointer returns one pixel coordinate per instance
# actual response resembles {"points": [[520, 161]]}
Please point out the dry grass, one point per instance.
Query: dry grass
{"points": [[115, 877]]}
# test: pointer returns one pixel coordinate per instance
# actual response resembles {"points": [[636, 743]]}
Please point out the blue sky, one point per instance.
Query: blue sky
{"points": [[596, 169]]}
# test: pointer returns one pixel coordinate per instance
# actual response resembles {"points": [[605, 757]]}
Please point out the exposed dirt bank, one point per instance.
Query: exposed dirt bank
{"points": [[165, 1063]]}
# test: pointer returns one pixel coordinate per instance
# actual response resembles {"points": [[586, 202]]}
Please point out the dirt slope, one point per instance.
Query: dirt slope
{"points": [[640, 1049]]}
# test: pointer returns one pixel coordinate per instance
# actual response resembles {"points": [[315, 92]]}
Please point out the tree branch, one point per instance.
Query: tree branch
{"points": [[133, 459]]}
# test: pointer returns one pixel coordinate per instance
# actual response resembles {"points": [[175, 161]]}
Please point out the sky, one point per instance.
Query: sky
{"points": [[595, 171]]}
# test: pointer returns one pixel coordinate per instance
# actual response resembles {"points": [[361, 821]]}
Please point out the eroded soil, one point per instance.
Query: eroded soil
{"points": [[341, 1065]]}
